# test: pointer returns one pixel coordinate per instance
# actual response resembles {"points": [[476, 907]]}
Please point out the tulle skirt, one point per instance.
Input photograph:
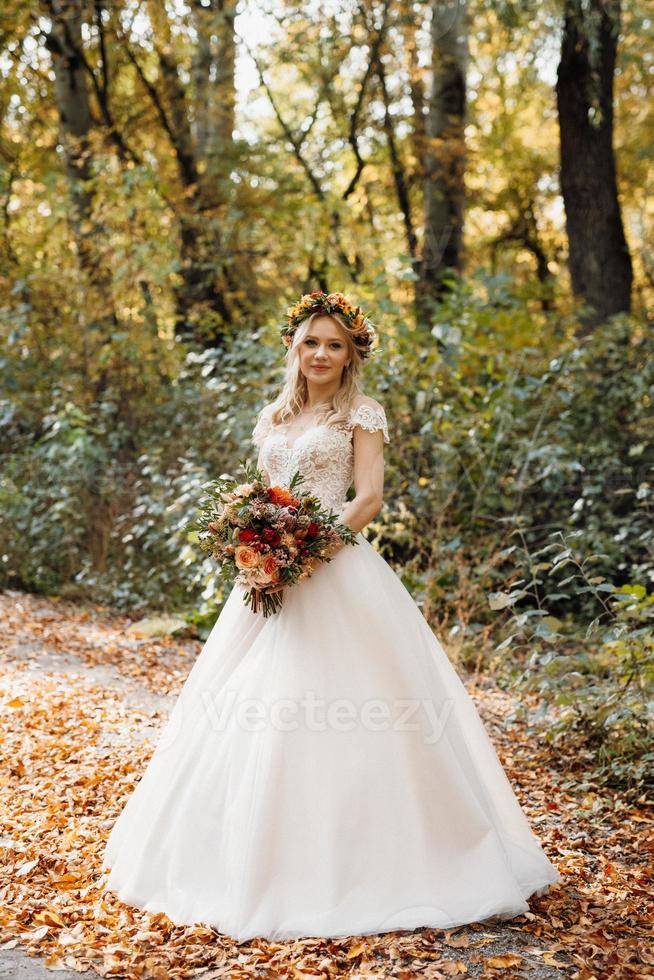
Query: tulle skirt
{"points": [[324, 772]]}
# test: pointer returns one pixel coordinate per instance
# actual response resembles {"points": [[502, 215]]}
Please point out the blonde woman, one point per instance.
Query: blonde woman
{"points": [[324, 771]]}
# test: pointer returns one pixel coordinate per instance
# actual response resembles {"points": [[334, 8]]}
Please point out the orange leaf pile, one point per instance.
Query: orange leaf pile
{"points": [[82, 702]]}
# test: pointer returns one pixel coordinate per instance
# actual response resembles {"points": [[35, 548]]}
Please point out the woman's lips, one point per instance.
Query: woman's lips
{"points": [[320, 367]]}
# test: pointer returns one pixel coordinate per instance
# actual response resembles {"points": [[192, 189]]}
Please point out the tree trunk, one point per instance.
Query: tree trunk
{"points": [[213, 70], [97, 313], [444, 153], [399, 176], [600, 264], [212, 291], [415, 71]]}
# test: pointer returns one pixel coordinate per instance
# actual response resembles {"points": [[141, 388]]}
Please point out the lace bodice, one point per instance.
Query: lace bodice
{"points": [[322, 453]]}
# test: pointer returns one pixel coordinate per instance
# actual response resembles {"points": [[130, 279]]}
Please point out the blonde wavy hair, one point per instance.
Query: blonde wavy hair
{"points": [[293, 395]]}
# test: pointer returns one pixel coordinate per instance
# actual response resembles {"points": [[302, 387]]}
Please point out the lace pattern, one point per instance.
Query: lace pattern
{"points": [[322, 453], [371, 418]]}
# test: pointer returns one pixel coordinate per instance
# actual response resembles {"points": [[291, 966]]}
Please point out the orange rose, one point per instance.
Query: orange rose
{"points": [[265, 574], [269, 566], [246, 557]]}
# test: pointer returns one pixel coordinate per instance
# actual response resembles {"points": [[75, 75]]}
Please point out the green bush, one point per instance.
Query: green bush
{"points": [[488, 439], [94, 504], [595, 682]]}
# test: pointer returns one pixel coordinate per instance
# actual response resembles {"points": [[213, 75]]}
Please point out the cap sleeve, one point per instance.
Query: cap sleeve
{"points": [[372, 418], [262, 427]]}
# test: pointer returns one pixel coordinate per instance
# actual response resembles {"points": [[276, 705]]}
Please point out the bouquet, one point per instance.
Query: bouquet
{"points": [[265, 537]]}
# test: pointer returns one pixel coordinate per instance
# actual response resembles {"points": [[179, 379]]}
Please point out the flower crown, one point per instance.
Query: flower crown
{"points": [[362, 331]]}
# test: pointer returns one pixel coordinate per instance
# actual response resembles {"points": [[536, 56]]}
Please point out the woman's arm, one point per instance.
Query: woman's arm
{"points": [[368, 479], [368, 482]]}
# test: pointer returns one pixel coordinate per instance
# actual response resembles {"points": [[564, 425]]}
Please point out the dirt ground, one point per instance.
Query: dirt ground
{"points": [[85, 692]]}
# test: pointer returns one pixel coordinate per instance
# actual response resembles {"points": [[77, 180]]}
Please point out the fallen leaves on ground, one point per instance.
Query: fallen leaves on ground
{"points": [[74, 745]]}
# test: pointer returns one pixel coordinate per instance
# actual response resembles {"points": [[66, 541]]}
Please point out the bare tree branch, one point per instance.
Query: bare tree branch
{"points": [[397, 167]]}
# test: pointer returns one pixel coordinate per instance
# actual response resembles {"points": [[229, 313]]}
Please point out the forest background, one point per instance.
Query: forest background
{"points": [[478, 177]]}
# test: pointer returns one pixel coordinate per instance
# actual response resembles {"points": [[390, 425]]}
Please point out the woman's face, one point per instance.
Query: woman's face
{"points": [[324, 351]]}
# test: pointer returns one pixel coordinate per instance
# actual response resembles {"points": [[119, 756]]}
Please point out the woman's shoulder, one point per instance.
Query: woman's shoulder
{"points": [[263, 424], [369, 414], [266, 411], [365, 400], [264, 415]]}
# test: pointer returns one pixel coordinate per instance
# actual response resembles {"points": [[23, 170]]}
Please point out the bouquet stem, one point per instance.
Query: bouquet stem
{"points": [[269, 603]]}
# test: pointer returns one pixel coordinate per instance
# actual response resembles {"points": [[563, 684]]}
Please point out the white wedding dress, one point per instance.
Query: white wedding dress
{"points": [[324, 771]]}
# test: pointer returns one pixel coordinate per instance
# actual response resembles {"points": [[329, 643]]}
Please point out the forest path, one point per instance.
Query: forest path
{"points": [[85, 693]]}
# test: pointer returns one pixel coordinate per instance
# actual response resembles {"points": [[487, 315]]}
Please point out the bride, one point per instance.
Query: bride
{"points": [[324, 771]]}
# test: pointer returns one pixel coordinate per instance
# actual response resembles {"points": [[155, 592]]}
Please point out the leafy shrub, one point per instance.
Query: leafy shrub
{"points": [[489, 439], [595, 684], [94, 503]]}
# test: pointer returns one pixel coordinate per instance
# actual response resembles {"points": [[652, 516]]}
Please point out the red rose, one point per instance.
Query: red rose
{"points": [[312, 529], [247, 535], [271, 536]]}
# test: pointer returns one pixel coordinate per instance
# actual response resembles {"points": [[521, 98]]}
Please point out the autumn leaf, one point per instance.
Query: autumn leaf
{"points": [[503, 961]]}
